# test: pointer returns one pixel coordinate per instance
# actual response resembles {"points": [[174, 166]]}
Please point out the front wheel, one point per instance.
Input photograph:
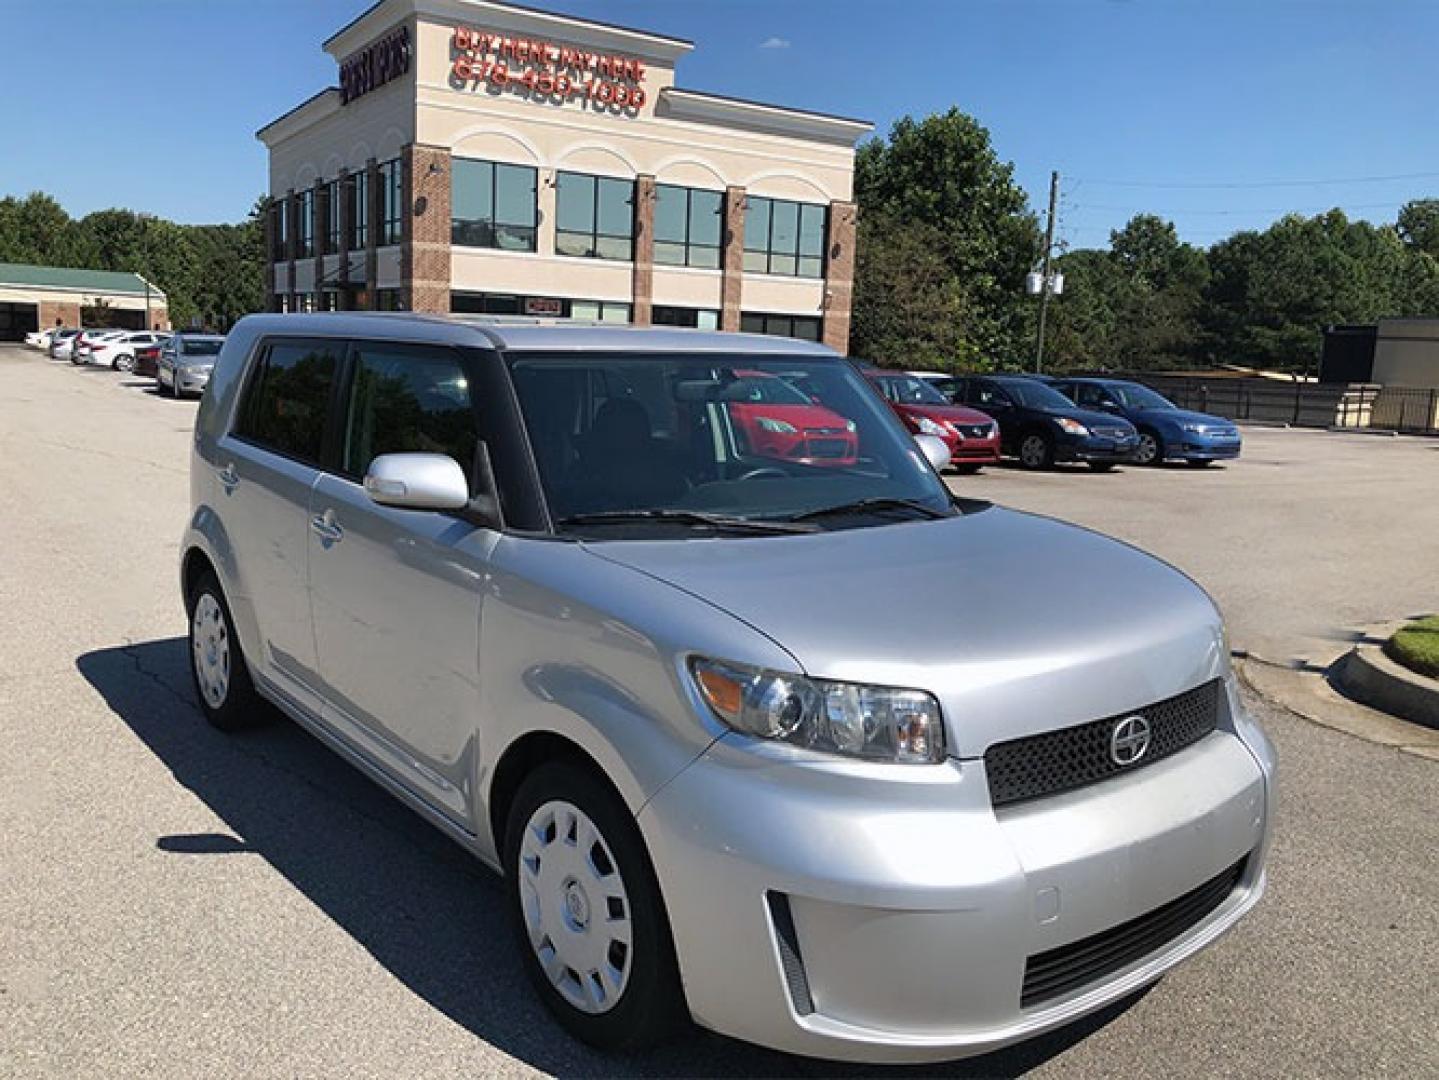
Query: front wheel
{"points": [[1150, 450], [592, 925], [1036, 451]]}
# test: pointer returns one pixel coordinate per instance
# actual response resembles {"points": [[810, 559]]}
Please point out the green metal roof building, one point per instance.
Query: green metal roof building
{"points": [[32, 297]]}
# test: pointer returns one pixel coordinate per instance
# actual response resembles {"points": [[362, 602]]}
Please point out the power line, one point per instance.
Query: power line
{"points": [[1232, 184], [1396, 203]]}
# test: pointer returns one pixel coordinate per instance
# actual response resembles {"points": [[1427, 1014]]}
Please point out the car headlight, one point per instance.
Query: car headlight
{"points": [[850, 426], [929, 427], [1197, 429], [1071, 427], [873, 722], [779, 427]]}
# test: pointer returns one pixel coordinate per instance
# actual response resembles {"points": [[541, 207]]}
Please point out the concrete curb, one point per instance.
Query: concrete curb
{"points": [[1376, 680]]}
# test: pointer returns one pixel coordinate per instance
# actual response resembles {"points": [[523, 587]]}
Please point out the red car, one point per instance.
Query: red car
{"points": [[772, 418], [147, 360], [972, 436]]}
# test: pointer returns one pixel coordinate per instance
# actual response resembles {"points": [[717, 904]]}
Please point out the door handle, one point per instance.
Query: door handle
{"points": [[325, 527], [229, 478]]}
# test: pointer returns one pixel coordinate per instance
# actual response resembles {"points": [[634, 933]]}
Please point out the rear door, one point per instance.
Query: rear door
{"points": [[266, 467], [396, 593]]}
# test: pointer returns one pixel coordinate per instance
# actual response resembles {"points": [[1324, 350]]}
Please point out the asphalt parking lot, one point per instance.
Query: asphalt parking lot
{"points": [[175, 902]]}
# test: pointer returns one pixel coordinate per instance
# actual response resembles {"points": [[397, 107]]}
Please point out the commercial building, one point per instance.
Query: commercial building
{"points": [[478, 156], [32, 297]]}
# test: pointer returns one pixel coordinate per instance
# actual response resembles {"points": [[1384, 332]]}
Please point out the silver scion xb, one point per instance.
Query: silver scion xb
{"points": [[682, 633]]}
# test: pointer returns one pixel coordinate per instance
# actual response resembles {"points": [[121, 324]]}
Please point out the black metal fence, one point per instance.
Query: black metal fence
{"points": [[1304, 404]]}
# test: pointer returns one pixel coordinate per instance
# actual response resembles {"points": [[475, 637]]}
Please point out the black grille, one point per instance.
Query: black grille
{"points": [[829, 448], [974, 431], [1040, 765], [1052, 974]]}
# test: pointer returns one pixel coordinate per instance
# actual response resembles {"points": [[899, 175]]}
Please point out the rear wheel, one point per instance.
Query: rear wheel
{"points": [[592, 924], [1150, 450], [1036, 451], [124, 362], [222, 680]]}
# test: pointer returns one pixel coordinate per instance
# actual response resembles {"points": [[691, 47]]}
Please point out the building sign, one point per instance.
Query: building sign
{"points": [[375, 65], [543, 305], [545, 71]]}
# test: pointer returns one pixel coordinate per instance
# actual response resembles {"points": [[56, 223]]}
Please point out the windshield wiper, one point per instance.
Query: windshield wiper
{"points": [[685, 517], [872, 505]]}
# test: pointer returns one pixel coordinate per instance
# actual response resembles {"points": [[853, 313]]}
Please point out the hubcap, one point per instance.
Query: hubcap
{"points": [[1148, 450], [1032, 452], [575, 907], [210, 642]]}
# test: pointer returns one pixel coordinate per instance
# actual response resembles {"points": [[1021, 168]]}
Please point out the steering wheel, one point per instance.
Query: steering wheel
{"points": [[764, 472]]}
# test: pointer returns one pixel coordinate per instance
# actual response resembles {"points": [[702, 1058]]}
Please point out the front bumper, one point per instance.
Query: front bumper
{"points": [[184, 380], [1198, 448], [1092, 448], [964, 451], [894, 925]]}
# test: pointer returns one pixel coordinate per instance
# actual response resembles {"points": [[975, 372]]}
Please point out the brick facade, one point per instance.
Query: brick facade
{"points": [[732, 258], [839, 275], [425, 229]]}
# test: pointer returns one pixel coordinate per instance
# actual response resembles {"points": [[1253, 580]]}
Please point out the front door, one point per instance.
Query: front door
{"points": [[396, 593]]}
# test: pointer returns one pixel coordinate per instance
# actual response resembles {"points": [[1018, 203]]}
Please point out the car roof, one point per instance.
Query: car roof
{"points": [[529, 335], [1014, 378]]}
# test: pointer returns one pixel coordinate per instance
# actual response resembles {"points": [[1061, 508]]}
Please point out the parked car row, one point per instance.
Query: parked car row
{"points": [[180, 363], [1102, 422]]}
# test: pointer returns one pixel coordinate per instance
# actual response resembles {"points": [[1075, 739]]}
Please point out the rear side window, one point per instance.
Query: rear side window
{"points": [[286, 400], [407, 398]]}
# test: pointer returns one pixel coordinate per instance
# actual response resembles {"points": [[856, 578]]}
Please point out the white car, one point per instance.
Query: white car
{"points": [[85, 344], [119, 352], [62, 344], [40, 339]]}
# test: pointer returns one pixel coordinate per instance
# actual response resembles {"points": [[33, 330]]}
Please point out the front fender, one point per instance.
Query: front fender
{"points": [[206, 535]]}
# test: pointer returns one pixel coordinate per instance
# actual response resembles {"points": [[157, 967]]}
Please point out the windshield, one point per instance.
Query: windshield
{"points": [[201, 346], [907, 390], [1035, 395], [758, 439], [1140, 397]]}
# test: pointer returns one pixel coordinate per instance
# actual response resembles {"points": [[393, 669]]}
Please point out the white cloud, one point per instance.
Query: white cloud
{"points": [[774, 43]]}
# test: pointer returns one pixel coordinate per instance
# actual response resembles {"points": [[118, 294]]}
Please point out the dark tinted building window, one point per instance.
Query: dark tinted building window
{"points": [[688, 226], [305, 223], [332, 216], [783, 237], [805, 327], [492, 205], [407, 399], [286, 400], [359, 209], [700, 318], [594, 216], [280, 231], [391, 196]]}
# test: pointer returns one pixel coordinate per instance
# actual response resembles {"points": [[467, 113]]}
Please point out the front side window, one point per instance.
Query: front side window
{"points": [[391, 197], [594, 216], [407, 399], [688, 226], [493, 205], [783, 237], [744, 435], [305, 224], [287, 398], [907, 390], [359, 209]]}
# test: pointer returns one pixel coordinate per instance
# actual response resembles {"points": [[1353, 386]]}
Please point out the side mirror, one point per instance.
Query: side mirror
{"points": [[934, 451], [417, 482]]}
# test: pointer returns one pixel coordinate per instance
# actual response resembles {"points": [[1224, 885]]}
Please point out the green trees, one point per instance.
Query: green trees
{"points": [[211, 274], [946, 237]]}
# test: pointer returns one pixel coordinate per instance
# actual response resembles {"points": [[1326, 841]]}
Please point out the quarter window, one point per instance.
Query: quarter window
{"points": [[688, 225], [783, 237], [492, 205], [406, 399], [289, 392], [391, 198], [594, 216]]}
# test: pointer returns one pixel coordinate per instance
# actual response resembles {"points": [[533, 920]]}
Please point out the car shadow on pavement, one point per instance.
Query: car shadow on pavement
{"points": [[422, 907]]}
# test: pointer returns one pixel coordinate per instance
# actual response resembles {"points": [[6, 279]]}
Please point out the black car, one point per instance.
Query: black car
{"points": [[1040, 426]]}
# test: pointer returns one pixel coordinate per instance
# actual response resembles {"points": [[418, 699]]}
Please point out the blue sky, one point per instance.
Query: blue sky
{"points": [[1219, 114]]}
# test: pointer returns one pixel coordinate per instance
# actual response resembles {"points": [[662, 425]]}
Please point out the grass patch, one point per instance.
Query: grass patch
{"points": [[1416, 646]]}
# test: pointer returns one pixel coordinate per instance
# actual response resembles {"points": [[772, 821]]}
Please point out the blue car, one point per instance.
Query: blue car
{"points": [[1166, 432], [1040, 426]]}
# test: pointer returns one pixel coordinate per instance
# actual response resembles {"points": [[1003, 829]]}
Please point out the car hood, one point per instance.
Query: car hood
{"points": [[958, 414], [805, 416], [1090, 418], [1179, 416], [1018, 624]]}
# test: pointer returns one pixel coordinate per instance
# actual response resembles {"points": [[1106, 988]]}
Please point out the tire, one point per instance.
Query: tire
{"points": [[1103, 466], [1150, 450], [967, 470], [124, 362], [554, 891], [222, 679], [1036, 451]]}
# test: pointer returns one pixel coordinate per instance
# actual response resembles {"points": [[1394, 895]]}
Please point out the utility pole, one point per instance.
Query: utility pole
{"points": [[1045, 287]]}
